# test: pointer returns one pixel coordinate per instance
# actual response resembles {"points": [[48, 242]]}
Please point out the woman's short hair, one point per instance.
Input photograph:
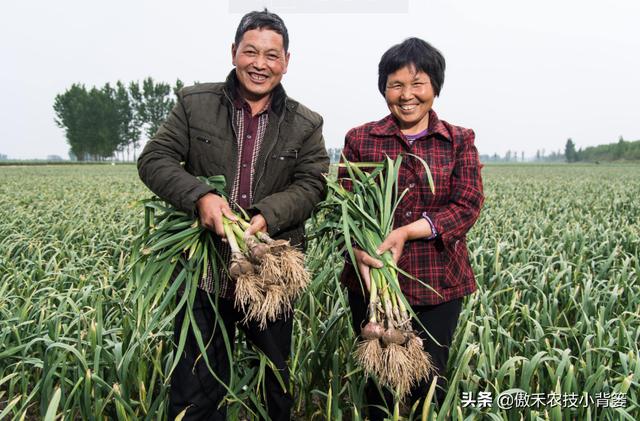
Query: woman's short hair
{"points": [[412, 52]]}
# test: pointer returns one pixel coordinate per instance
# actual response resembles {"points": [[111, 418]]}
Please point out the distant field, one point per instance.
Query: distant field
{"points": [[556, 254], [13, 163]]}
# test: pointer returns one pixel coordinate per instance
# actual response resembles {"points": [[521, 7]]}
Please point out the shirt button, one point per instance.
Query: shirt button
{"points": [[244, 196], [244, 165], [248, 136], [282, 158], [412, 185], [407, 214]]}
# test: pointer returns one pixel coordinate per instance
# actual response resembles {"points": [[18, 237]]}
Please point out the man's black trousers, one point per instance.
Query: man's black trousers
{"points": [[193, 386], [441, 320]]}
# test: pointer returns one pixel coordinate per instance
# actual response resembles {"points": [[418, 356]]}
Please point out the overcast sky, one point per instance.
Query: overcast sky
{"points": [[524, 75]]}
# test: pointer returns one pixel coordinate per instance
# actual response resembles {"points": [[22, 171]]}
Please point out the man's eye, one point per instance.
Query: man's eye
{"points": [[250, 53], [272, 57]]}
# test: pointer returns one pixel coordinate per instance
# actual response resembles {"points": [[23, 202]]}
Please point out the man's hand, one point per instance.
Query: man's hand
{"points": [[257, 223], [211, 209], [394, 243], [365, 263]]}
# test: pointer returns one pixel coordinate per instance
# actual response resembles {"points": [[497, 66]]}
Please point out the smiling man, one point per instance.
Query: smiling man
{"points": [[271, 151]]}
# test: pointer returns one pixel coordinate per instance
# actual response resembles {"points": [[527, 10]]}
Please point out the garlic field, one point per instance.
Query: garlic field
{"points": [[552, 333]]}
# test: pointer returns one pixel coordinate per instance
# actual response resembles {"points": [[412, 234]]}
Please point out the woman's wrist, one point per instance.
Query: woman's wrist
{"points": [[417, 230]]}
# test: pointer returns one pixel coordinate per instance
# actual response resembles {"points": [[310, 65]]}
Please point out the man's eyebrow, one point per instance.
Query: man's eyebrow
{"points": [[270, 50]]}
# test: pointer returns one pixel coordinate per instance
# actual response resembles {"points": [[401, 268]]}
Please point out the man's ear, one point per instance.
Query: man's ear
{"points": [[286, 62]]}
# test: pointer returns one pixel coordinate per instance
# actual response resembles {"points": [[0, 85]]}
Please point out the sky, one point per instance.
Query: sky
{"points": [[524, 75]]}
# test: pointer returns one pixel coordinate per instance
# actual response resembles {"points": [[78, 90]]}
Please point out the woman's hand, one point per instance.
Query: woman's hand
{"points": [[396, 239], [394, 243], [365, 263]]}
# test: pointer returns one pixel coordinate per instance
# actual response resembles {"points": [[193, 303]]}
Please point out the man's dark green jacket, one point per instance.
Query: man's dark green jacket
{"points": [[198, 139]]}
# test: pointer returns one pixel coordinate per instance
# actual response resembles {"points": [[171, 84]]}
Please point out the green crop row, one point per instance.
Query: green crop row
{"points": [[556, 254]]}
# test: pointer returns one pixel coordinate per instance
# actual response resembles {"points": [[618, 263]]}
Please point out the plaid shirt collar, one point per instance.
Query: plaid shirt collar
{"points": [[388, 126]]}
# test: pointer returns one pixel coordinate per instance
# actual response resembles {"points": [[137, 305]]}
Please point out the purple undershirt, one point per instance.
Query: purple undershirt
{"points": [[412, 137]]}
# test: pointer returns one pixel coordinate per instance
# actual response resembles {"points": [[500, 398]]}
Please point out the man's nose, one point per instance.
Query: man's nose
{"points": [[259, 62]]}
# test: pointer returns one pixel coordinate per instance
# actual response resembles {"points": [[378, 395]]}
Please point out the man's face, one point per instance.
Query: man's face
{"points": [[409, 96], [260, 62]]}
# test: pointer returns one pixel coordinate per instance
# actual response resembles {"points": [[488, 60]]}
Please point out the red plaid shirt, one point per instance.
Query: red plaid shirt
{"points": [[442, 262]]}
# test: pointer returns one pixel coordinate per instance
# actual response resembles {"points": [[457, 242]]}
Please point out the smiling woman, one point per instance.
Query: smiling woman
{"points": [[409, 96], [429, 241]]}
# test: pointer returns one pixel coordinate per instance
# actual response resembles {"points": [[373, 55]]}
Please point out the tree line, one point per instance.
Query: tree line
{"points": [[104, 122], [621, 150]]}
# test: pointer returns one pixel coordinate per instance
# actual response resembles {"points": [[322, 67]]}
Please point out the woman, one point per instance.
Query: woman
{"points": [[429, 239]]}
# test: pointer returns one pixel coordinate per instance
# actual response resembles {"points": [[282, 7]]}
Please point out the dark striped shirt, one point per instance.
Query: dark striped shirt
{"points": [[250, 131]]}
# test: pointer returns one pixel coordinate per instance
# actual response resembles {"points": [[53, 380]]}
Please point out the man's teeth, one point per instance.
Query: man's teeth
{"points": [[258, 77], [408, 107]]}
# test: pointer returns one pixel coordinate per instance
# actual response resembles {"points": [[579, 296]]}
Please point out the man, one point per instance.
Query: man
{"points": [[271, 151]]}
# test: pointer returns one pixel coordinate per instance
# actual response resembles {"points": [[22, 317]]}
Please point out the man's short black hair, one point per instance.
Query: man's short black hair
{"points": [[259, 20], [412, 52]]}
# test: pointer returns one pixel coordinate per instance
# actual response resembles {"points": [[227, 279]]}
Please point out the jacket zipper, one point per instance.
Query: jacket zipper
{"points": [[268, 156], [234, 170]]}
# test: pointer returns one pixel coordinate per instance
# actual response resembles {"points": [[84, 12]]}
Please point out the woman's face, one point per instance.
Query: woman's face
{"points": [[410, 96]]}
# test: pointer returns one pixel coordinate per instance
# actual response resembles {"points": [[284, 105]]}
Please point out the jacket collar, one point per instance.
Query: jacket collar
{"points": [[278, 95], [388, 126]]}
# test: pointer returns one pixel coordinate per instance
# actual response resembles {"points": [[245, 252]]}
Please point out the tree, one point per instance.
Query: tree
{"points": [[570, 151], [179, 85], [620, 149], [129, 129], [72, 109], [153, 102], [99, 123], [96, 122], [106, 122]]}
